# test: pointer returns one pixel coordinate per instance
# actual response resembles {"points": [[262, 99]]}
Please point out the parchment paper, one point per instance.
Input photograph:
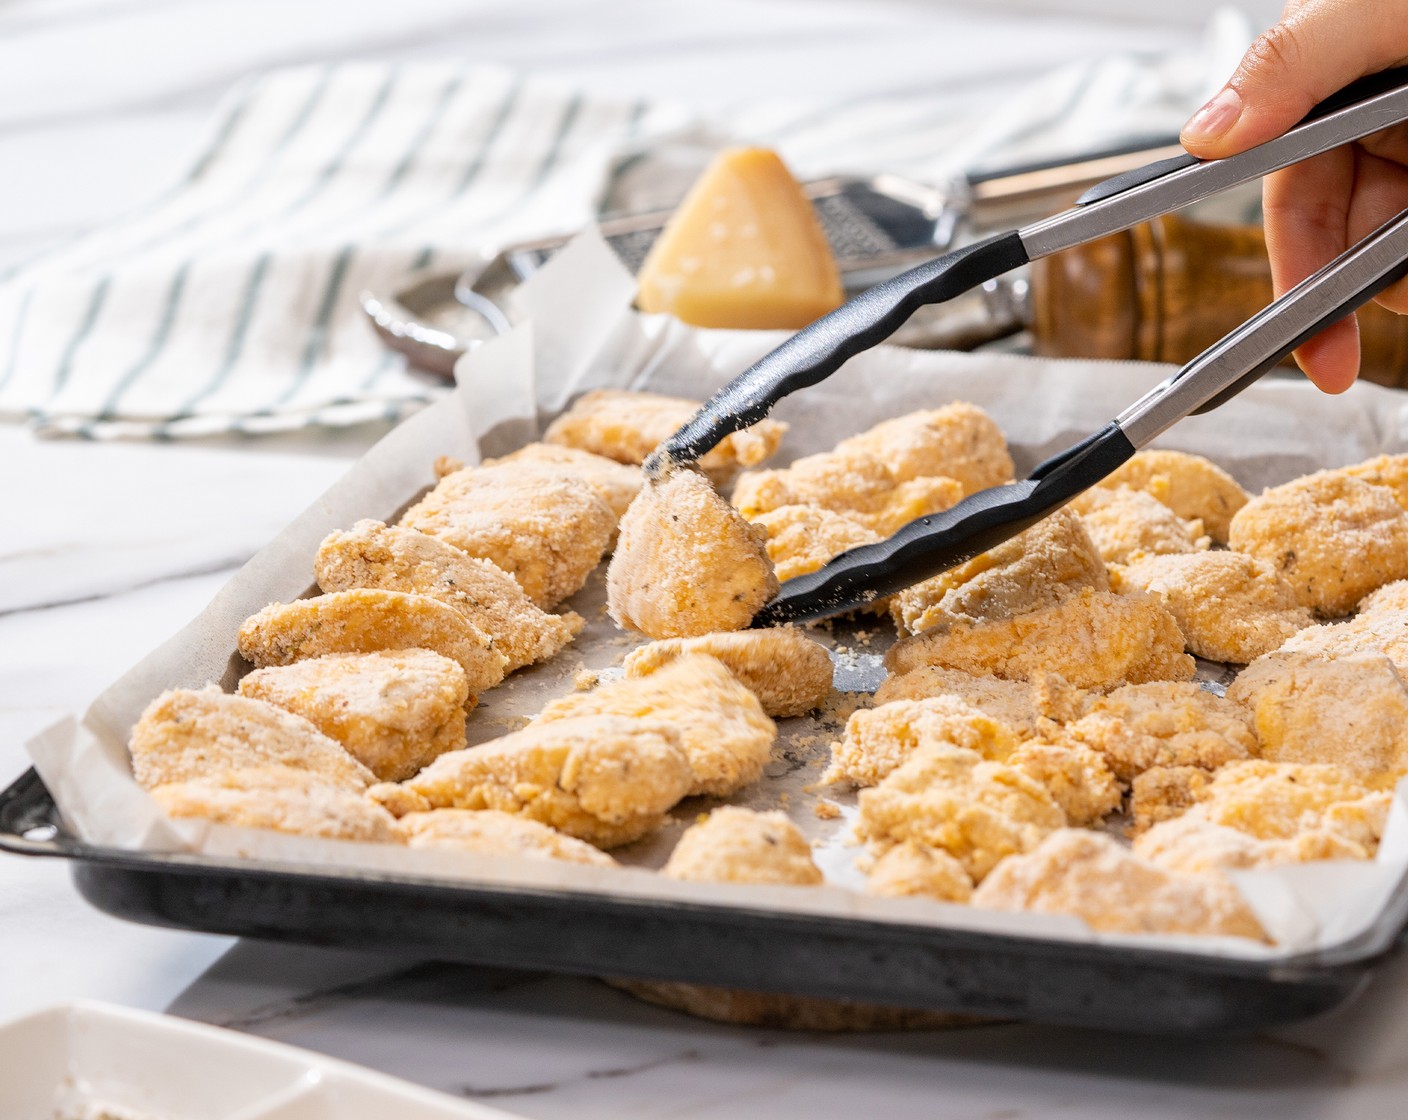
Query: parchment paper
{"points": [[581, 333]]}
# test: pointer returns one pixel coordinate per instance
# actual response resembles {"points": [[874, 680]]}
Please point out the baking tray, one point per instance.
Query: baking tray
{"points": [[1028, 978]]}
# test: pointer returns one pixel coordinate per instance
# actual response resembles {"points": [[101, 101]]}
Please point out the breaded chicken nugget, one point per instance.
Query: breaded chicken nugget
{"points": [[490, 832], [186, 734], [1361, 821], [913, 870], [1193, 845], [950, 798], [1384, 470], [365, 622], [1095, 878], [1332, 537], [1275, 800], [1380, 627], [1025, 706], [958, 441], [854, 483], [734, 845], [1193, 487], [1076, 776], [1388, 600], [720, 723], [878, 741], [911, 500], [393, 710], [1162, 793], [1126, 523], [1230, 607], [394, 558], [545, 528], [607, 780], [628, 426], [396, 799], [687, 563], [1163, 723], [1093, 639], [803, 538], [1352, 712], [788, 672], [280, 798], [1037, 568], [615, 483]]}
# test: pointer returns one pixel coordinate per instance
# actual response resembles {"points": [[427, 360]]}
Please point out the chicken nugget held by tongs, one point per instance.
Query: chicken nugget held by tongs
{"points": [[939, 541]]}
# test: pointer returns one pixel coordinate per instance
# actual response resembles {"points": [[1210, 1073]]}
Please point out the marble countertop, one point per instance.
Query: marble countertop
{"points": [[105, 549]]}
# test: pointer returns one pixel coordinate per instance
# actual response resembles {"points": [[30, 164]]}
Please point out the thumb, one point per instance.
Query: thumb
{"points": [[1319, 47]]}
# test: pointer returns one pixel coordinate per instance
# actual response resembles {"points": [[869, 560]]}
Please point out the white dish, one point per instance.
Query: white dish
{"points": [[92, 1061]]}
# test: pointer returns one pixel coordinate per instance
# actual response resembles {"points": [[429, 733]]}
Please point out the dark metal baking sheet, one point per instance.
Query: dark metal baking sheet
{"points": [[1032, 979]]}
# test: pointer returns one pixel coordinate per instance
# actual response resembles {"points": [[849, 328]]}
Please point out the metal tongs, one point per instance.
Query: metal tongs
{"points": [[932, 544]]}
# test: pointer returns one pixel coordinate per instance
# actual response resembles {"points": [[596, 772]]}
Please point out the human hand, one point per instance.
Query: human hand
{"points": [[1315, 210]]}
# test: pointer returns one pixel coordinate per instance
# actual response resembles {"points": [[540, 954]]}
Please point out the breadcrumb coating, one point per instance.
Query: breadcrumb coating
{"points": [[607, 780], [720, 723], [1028, 707], [1093, 639], [1193, 845], [1230, 607], [491, 832], [788, 672], [687, 563], [1076, 776], [803, 538], [365, 622], [958, 441], [1384, 470], [911, 870], [186, 734], [1162, 793], [393, 711], [615, 483], [1380, 627], [280, 798], [545, 528], [396, 558], [628, 426], [1126, 523], [1037, 568], [1195, 488], [1352, 712], [947, 797], [1095, 878], [1332, 537], [878, 741], [734, 845], [1163, 723]]}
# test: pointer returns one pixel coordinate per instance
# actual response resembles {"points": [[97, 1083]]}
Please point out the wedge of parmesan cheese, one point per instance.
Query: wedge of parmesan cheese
{"points": [[744, 250]]}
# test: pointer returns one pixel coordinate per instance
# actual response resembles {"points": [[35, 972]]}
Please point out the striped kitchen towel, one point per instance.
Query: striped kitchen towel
{"points": [[229, 304]]}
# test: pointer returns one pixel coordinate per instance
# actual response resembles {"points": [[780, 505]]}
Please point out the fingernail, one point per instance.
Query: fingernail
{"points": [[1214, 118]]}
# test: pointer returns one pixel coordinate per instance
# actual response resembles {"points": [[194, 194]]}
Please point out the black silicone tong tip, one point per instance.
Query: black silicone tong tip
{"points": [[933, 544]]}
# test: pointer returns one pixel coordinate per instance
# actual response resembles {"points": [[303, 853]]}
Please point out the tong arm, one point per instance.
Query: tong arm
{"points": [[1228, 366]]}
